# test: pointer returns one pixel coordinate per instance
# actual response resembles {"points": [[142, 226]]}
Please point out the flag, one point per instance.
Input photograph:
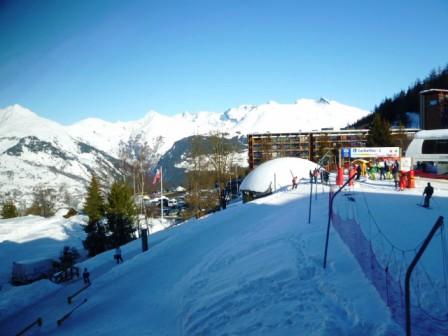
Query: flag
{"points": [[156, 177]]}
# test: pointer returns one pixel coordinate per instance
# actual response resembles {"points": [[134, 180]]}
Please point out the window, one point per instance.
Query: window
{"points": [[435, 146]]}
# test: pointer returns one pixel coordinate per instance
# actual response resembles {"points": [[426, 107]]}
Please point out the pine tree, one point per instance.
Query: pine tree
{"points": [[379, 133], [121, 213], [9, 210], [68, 257], [95, 209]]}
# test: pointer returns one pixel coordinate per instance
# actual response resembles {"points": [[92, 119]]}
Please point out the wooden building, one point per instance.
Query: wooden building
{"points": [[434, 109]]}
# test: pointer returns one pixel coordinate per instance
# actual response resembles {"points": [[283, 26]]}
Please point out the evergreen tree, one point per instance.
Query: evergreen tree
{"points": [[379, 133], [68, 257], [95, 209], [9, 210], [121, 213]]}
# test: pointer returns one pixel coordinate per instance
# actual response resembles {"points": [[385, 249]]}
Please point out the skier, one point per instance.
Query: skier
{"points": [[223, 199], [381, 164], [86, 276], [294, 182], [429, 190], [117, 256], [358, 172], [315, 175], [395, 175]]}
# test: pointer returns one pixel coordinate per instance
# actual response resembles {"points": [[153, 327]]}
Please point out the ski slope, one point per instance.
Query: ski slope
{"points": [[253, 269]]}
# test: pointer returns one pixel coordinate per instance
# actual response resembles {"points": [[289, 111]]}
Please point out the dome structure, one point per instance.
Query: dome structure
{"points": [[276, 174]]}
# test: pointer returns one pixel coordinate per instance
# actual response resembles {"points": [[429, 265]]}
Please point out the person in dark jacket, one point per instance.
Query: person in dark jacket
{"points": [[117, 256], [86, 276], [429, 190], [395, 175], [358, 172]]}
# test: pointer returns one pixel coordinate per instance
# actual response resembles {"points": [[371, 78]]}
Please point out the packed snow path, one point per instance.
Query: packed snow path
{"points": [[253, 269]]}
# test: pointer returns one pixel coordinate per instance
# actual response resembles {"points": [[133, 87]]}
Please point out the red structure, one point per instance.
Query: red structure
{"points": [[340, 177]]}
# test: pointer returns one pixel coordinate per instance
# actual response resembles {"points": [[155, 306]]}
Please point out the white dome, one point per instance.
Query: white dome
{"points": [[284, 169]]}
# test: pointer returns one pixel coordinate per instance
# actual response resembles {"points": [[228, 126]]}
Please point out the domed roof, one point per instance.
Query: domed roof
{"points": [[281, 169]]}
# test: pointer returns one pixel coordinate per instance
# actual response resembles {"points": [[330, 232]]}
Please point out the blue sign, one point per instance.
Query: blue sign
{"points": [[346, 152]]}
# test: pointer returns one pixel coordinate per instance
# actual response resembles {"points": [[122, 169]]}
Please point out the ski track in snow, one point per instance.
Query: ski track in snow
{"points": [[253, 269]]}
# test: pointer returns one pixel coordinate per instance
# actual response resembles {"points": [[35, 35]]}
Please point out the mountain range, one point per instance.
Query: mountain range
{"points": [[36, 152]]}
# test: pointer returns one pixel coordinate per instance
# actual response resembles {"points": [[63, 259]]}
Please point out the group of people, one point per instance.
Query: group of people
{"points": [[384, 168], [86, 274]]}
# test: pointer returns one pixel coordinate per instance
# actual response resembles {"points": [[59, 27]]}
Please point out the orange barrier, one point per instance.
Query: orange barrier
{"points": [[411, 179], [340, 177], [351, 174]]}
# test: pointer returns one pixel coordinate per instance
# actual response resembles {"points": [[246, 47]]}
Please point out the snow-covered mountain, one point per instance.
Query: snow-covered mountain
{"points": [[39, 153], [303, 115]]}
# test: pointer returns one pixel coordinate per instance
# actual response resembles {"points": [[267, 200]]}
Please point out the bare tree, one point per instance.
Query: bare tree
{"points": [[43, 202], [138, 155], [221, 157]]}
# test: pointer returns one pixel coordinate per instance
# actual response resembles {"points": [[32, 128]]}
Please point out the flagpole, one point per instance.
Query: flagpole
{"points": [[161, 194]]}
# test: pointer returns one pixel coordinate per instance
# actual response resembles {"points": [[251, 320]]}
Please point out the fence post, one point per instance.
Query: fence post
{"points": [[411, 267], [144, 239], [311, 198], [330, 214]]}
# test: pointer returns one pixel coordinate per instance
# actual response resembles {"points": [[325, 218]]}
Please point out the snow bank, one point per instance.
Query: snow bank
{"points": [[277, 173]]}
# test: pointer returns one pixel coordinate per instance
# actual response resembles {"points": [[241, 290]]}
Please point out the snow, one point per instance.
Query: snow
{"points": [[277, 174], [252, 269], [65, 168], [304, 114], [35, 237]]}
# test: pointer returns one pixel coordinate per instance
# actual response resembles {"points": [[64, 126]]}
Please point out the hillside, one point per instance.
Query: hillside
{"points": [[38, 154], [177, 160], [395, 109], [253, 269]]}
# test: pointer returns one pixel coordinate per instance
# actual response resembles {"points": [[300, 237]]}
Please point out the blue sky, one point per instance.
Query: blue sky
{"points": [[116, 60]]}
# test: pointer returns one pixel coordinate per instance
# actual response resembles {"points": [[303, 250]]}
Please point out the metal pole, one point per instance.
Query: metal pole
{"points": [[311, 199], [411, 267], [161, 195], [330, 214]]}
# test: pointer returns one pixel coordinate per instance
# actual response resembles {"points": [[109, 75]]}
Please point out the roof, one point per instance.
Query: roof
{"points": [[433, 90], [277, 173], [432, 134]]}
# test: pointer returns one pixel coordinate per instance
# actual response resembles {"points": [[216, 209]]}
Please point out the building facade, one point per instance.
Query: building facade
{"points": [[434, 109], [313, 145]]}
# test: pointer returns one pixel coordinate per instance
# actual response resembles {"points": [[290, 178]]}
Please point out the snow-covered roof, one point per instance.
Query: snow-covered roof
{"points": [[432, 134], [277, 173]]}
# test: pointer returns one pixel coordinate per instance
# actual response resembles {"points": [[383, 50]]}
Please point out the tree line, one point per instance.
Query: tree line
{"points": [[393, 110]]}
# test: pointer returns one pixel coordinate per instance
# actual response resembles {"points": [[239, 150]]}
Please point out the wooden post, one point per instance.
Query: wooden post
{"points": [[144, 239]]}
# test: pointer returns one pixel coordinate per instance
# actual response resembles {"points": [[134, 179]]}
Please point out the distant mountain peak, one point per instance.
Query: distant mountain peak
{"points": [[323, 101]]}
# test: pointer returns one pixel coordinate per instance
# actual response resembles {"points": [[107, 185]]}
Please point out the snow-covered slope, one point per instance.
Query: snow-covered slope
{"points": [[304, 115], [253, 269], [39, 153]]}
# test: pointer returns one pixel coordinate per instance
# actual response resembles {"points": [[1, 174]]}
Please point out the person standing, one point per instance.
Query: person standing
{"points": [[117, 255], [86, 276], [294, 182], [429, 190], [395, 175], [358, 172]]}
